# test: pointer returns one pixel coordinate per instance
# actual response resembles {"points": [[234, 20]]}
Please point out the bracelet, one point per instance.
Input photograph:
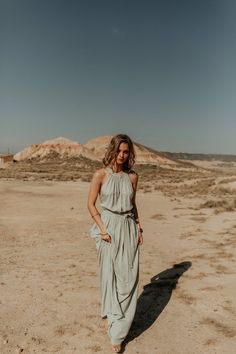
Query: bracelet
{"points": [[103, 234], [95, 215]]}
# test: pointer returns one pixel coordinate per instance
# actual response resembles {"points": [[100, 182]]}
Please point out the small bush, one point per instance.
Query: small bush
{"points": [[220, 205]]}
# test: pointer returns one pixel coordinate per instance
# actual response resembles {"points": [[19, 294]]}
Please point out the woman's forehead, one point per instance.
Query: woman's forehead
{"points": [[124, 146]]}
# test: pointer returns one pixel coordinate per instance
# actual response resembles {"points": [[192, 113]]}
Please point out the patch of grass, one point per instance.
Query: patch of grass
{"points": [[52, 169]]}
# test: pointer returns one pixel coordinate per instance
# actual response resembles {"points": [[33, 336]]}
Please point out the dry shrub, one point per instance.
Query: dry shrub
{"points": [[157, 187], [219, 327], [199, 219], [86, 178], [227, 180], [185, 185], [214, 204], [200, 187], [211, 341], [157, 217], [185, 297], [224, 191], [220, 205], [147, 188]]}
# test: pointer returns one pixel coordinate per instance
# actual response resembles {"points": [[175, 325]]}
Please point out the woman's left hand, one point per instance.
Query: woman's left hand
{"points": [[140, 238]]}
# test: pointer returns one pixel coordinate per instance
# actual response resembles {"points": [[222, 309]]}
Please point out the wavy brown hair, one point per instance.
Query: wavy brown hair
{"points": [[113, 149]]}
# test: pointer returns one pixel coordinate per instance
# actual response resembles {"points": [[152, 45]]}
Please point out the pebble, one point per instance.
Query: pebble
{"points": [[19, 350]]}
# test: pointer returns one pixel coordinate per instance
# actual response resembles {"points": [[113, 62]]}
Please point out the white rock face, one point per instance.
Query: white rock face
{"points": [[62, 146]]}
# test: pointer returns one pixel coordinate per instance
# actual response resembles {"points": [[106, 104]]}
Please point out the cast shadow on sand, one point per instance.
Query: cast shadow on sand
{"points": [[153, 300]]}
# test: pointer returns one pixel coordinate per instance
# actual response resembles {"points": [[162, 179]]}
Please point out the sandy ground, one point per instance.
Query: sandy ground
{"points": [[49, 285]]}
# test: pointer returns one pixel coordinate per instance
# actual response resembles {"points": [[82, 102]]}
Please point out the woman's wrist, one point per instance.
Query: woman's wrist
{"points": [[140, 229], [95, 214]]}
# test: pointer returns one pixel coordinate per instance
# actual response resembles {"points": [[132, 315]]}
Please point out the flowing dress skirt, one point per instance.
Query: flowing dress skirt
{"points": [[119, 272]]}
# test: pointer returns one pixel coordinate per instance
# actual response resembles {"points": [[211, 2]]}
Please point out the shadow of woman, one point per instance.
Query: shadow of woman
{"points": [[153, 300]]}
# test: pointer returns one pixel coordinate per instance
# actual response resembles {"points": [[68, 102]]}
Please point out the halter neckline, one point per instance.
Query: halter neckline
{"points": [[113, 172]]}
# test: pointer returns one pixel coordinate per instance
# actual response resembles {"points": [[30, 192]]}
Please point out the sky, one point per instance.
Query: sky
{"points": [[161, 71]]}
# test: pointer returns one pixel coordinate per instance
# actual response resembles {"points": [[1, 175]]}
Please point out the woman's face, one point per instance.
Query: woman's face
{"points": [[122, 154]]}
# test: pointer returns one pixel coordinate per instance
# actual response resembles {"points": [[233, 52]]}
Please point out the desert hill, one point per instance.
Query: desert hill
{"points": [[63, 159], [144, 154], [94, 149], [61, 146], [54, 148]]}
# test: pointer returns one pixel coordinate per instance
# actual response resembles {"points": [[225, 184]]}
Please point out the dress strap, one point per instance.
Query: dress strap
{"points": [[109, 170]]}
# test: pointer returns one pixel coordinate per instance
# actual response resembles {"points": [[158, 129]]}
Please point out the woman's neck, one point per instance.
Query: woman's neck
{"points": [[117, 168]]}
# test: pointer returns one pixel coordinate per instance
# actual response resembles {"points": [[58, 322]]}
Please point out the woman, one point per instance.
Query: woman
{"points": [[118, 233]]}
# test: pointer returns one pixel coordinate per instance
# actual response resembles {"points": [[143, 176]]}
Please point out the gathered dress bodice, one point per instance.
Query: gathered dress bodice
{"points": [[117, 192]]}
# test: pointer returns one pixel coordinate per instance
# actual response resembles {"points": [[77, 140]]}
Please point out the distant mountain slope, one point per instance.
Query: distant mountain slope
{"points": [[201, 157], [94, 149], [144, 154]]}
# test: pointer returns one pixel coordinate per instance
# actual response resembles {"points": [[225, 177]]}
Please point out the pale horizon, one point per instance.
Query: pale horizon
{"points": [[9, 151]]}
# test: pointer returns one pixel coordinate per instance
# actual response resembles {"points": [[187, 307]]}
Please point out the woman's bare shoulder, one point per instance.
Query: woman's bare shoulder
{"points": [[99, 174], [133, 176]]}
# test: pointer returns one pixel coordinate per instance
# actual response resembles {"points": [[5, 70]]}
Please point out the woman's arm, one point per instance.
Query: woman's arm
{"points": [[92, 198], [134, 180]]}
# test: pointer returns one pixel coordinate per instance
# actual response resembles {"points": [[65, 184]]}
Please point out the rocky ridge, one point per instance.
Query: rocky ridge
{"points": [[94, 149], [55, 148]]}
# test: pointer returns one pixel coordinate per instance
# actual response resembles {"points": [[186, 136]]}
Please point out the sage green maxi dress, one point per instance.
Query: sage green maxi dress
{"points": [[118, 260]]}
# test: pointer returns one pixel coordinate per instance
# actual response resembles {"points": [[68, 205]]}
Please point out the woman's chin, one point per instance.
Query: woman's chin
{"points": [[120, 162]]}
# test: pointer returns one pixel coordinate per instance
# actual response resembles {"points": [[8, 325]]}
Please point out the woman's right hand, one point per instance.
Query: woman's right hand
{"points": [[106, 237]]}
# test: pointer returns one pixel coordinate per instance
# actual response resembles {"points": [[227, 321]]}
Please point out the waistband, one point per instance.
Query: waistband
{"points": [[128, 212]]}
